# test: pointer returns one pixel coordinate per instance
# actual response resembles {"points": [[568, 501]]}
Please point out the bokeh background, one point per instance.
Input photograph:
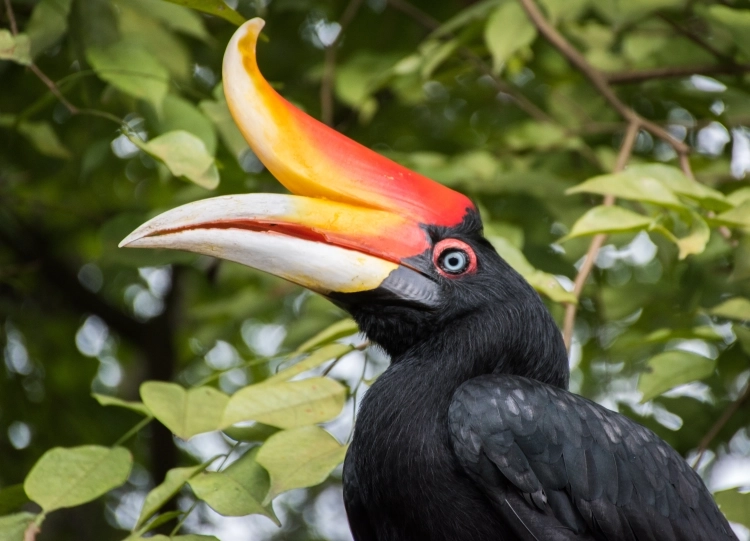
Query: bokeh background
{"points": [[465, 92]]}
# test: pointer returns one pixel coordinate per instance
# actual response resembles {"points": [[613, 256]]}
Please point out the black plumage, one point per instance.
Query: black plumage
{"points": [[471, 435]]}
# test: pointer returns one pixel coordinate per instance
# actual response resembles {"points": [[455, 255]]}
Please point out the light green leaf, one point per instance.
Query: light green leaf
{"points": [[173, 482], [605, 219], [738, 197], [434, 54], [184, 412], [735, 505], [13, 527], [106, 400], [213, 7], [737, 217], [238, 490], [16, 48], [131, 69], [737, 308], [736, 21], [254, 433], [174, 17], [540, 136], [299, 458], [48, 23], [695, 241], [475, 12], [544, 283], [508, 30], [287, 404], [675, 180], [703, 332], [70, 477], [670, 369], [163, 518], [743, 337], [44, 139], [325, 353], [230, 134], [185, 156], [180, 114], [340, 329], [559, 10], [632, 185]]}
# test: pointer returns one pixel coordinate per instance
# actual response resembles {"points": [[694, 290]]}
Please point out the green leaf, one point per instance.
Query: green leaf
{"points": [[256, 432], [286, 404], [670, 369], [131, 69], [475, 12], [508, 30], [736, 21], [163, 518], [737, 217], [735, 505], [299, 458], [70, 477], [106, 400], [218, 112], [325, 353], [184, 412], [185, 156], [174, 17], [213, 7], [632, 185], [539, 136], [340, 329], [180, 114], [44, 139], [607, 219], [11, 498], [737, 308], [48, 24], [16, 48], [675, 180], [238, 490], [558, 10], [173, 482], [703, 332], [13, 527], [695, 241], [544, 283]]}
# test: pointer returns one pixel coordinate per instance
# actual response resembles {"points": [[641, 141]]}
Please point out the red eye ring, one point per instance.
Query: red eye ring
{"points": [[447, 245]]}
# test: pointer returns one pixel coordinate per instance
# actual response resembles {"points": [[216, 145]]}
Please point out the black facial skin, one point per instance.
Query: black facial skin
{"points": [[494, 305]]}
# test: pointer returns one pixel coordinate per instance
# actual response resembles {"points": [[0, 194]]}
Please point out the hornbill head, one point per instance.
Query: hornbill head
{"points": [[399, 251]]}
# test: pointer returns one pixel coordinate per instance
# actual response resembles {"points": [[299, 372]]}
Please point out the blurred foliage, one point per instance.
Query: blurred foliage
{"points": [[112, 111]]}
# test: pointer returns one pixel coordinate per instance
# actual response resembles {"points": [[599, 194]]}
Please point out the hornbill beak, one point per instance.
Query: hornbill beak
{"points": [[356, 224]]}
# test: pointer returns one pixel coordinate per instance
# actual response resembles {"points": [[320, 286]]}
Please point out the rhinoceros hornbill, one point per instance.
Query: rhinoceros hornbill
{"points": [[470, 434]]}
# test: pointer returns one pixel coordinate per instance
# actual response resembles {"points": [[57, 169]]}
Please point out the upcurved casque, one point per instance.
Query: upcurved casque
{"points": [[311, 159]]}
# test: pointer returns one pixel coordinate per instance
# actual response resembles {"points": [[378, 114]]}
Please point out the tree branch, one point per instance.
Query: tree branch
{"points": [[34, 68], [639, 76], [719, 424], [597, 78], [329, 66], [626, 150]]}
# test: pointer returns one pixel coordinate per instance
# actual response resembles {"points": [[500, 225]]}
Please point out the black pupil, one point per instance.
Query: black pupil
{"points": [[454, 261]]}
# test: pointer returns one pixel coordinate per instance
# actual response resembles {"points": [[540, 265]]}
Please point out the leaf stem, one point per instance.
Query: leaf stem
{"points": [[133, 431]]}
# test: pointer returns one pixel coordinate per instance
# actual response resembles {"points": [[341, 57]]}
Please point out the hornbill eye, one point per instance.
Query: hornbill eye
{"points": [[452, 258]]}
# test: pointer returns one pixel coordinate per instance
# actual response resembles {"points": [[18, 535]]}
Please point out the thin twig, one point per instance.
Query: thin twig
{"points": [[685, 166], [719, 424], [11, 18], [34, 68], [597, 78], [639, 76], [329, 66], [626, 150], [698, 40], [54, 89]]}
